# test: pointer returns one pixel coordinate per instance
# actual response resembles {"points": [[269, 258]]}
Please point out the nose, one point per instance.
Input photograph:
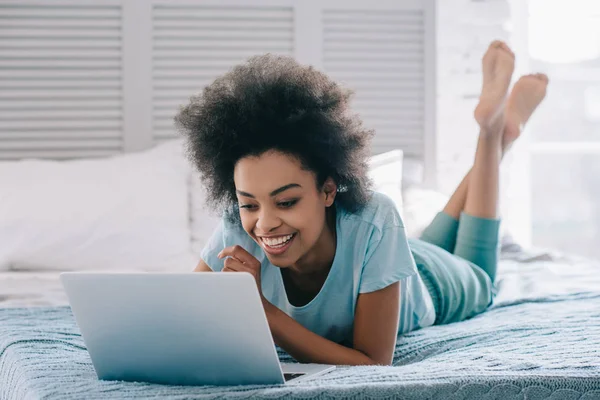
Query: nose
{"points": [[267, 221]]}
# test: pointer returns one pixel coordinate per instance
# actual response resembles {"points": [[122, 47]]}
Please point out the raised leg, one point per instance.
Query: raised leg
{"points": [[478, 193], [525, 97]]}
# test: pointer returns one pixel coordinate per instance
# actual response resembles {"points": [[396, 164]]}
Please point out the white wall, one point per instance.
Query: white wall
{"points": [[464, 30]]}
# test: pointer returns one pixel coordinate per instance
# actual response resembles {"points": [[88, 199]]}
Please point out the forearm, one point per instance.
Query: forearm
{"points": [[307, 346]]}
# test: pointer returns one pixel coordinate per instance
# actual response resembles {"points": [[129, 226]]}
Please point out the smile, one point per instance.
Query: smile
{"points": [[277, 245]]}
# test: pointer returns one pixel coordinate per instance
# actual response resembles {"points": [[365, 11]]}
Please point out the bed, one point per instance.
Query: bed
{"points": [[539, 340]]}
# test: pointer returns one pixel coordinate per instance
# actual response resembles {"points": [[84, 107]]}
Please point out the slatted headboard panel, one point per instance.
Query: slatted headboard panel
{"points": [[193, 44], [380, 54], [87, 78], [60, 80]]}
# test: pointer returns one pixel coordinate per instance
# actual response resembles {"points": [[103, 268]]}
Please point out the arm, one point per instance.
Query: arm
{"points": [[375, 332], [375, 322], [202, 267], [307, 346]]}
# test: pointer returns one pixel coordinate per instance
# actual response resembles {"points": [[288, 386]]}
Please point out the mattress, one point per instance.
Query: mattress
{"points": [[539, 340], [31, 289]]}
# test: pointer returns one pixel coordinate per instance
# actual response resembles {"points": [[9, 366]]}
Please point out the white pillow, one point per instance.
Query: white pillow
{"points": [[420, 206], [386, 172], [127, 212], [203, 220], [412, 172]]}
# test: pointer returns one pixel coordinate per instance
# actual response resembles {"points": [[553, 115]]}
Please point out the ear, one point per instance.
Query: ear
{"points": [[329, 191]]}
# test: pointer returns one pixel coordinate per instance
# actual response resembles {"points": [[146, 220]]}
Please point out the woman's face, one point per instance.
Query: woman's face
{"points": [[280, 206]]}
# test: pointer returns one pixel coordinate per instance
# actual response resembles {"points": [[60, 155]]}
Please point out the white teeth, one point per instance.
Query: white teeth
{"points": [[276, 242]]}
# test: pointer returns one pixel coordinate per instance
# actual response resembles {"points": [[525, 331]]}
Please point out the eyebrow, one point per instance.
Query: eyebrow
{"points": [[274, 192]]}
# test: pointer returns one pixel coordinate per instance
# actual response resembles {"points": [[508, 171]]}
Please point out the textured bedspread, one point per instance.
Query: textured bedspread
{"points": [[541, 340]]}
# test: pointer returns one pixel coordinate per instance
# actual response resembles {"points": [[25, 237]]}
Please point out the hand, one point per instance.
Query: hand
{"points": [[239, 260]]}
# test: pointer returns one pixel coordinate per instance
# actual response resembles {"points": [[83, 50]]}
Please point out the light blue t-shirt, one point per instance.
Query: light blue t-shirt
{"points": [[372, 252]]}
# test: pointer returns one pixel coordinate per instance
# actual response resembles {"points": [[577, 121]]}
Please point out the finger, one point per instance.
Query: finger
{"points": [[235, 265], [233, 269], [235, 251], [232, 264], [239, 253], [239, 271]]}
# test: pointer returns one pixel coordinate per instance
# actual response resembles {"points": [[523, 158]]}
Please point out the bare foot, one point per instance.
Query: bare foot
{"points": [[498, 65], [526, 95]]}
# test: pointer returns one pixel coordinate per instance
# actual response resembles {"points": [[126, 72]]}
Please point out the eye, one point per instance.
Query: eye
{"points": [[287, 204], [248, 206]]}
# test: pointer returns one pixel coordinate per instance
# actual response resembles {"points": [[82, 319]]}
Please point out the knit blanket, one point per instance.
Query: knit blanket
{"points": [[540, 340]]}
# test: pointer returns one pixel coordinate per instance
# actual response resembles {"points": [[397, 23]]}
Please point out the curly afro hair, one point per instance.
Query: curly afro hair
{"points": [[273, 103]]}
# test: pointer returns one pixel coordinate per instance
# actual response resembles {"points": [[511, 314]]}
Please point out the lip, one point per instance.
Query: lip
{"points": [[279, 250], [275, 236]]}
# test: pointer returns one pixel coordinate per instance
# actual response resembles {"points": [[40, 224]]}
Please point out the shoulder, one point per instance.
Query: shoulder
{"points": [[379, 213], [231, 227], [380, 246]]}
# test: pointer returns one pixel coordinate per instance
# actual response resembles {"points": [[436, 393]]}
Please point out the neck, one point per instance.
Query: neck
{"points": [[318, 261]]}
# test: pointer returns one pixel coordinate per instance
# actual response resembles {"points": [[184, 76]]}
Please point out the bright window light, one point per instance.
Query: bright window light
{"points": [[564, 31], [592, 103]]}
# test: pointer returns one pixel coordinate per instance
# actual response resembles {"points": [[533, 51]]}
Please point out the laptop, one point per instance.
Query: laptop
{"points": [[178, 328]]}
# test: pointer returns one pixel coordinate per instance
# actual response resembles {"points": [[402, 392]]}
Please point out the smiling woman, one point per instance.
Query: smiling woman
{"points": [[290, 176], [284, 158], [288, 221]]}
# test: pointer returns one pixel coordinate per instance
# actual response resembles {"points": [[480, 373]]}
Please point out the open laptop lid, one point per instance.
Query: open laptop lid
{"points": [[174, 328]]}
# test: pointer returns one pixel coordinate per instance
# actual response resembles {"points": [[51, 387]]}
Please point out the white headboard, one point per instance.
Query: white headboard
{"points": [[87, 78]]}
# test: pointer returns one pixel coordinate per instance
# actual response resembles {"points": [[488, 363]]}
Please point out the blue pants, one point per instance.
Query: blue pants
{"points": [[457, 261]]}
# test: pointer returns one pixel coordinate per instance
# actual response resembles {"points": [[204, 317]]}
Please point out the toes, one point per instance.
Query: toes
{"points": [[505, 47], [495, 45], [527, 77], [539, 76], [498, 44]]}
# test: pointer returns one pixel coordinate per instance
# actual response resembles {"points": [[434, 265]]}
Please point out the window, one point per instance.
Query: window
{"points": [[564, 43]]}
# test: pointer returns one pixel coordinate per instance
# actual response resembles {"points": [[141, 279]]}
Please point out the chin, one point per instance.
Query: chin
{"points": [[279, 262]]}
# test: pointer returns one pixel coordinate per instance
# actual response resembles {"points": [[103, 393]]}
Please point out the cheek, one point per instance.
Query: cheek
{"points": [[310, 221], [248, 221]]}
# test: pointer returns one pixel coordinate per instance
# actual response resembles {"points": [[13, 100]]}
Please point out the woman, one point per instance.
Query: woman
{"points": [[284, 159]]}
